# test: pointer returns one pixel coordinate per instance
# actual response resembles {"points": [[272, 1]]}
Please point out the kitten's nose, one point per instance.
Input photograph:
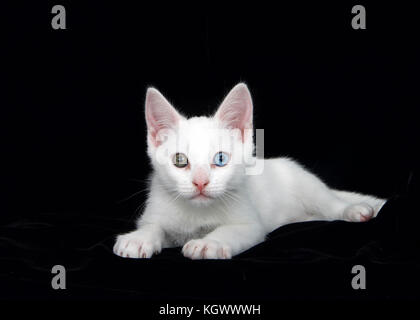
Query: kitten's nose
{"points": [[200, 178], [200, 184]]}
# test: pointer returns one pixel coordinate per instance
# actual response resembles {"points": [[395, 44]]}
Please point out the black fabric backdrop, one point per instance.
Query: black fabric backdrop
{"points": [[342, 102], [311, 260]]}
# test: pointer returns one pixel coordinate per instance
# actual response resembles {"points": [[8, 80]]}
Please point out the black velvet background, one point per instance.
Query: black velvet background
{"points": [[342, 102], [310, 260]]}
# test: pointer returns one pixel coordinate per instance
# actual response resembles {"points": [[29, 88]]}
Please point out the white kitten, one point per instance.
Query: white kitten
{"points": [[201, 197]]}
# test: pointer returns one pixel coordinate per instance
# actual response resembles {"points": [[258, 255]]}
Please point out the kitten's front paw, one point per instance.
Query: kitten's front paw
{"points": [[359, 212], [206, 249], [136, 245]]}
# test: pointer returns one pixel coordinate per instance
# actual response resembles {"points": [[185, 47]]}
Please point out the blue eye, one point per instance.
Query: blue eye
{"points": [[221, 159]]}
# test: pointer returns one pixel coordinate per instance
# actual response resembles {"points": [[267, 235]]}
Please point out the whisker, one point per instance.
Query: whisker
{"points": [[133, 195], [232, 196]]}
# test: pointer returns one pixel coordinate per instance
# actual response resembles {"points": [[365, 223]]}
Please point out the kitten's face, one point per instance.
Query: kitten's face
{"points": [[200, 159]]}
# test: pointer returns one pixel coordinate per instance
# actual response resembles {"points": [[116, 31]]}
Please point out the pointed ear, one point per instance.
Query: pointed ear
{"points": [[235, 112], [160, 115]]}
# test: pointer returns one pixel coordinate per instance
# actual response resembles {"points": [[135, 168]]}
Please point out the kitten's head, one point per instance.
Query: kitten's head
{"points": [[200, 159]]}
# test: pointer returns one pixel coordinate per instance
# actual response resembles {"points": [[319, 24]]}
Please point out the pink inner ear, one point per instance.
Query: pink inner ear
{"points": [[235, 111], [160, 115]]}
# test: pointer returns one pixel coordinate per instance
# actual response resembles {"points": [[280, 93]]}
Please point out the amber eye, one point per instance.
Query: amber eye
{"points": [[180, 160]]}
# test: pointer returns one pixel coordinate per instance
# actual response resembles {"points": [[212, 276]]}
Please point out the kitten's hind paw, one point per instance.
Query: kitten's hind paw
{"points": [[206, 249], [136, 245], [360, 212]]}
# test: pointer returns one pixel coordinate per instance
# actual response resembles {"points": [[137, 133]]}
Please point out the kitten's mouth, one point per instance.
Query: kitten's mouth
{"points": [[201, 196]]}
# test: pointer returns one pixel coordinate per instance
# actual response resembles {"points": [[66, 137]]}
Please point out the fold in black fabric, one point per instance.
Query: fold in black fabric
{"points": [[311, 260]]}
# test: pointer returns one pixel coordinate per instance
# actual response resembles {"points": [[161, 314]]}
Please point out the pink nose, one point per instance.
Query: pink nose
{"points": [[200, 183]]}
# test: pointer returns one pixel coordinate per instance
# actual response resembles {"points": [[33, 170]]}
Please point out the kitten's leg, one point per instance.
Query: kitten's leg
{"points": [[141, 243], [359, 212], [357, 198], [319, 202], [224, 242], [325, 204]]}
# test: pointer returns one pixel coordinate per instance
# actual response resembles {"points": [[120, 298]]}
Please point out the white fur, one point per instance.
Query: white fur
{"points": [[239, 210]]}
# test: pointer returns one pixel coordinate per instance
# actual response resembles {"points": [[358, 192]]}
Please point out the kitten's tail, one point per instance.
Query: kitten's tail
{"points": [[355, 198]]}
